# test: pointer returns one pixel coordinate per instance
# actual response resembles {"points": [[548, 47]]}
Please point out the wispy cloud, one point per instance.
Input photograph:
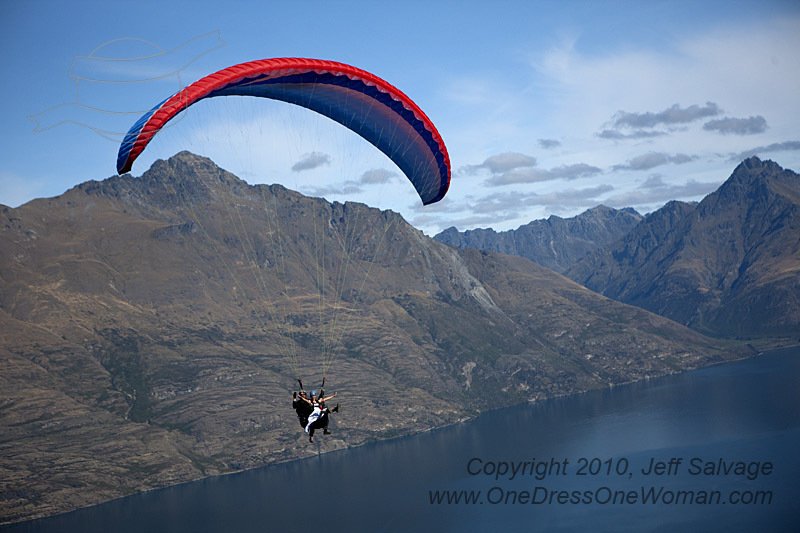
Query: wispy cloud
{"points": [[469, 221], [547, 144], [537, 175], [377, 175], [572, 172], [674, 114], [505, 162], [654, 190], [509, 204], [372, 177], [760, 150], [518, 176], [654, 159], [635, 134], [625, 125], [499, 209], [335, 189], [444, 206], [516, 168], [571, 198], [691, 79], [311, 161], [737, 126]]}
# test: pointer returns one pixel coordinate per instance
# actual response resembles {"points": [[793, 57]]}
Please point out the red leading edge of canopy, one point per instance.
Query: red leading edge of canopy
{"points": [[280, 66]]}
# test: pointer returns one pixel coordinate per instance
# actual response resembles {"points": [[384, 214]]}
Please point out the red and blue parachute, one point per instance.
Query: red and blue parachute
{"points": [[357, 99]]}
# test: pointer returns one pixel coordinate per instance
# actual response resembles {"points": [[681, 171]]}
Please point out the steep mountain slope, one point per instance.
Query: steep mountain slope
{"points": [[729, 266], [151, 329], [556, 243]]}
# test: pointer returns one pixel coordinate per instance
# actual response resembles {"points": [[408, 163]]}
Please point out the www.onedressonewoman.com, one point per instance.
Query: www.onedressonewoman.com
{"points": [[602, 495], [603, 479]]}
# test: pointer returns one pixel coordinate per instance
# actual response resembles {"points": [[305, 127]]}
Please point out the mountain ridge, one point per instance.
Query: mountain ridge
{"points": [[151, 330], [555, 242], [728, 265]]}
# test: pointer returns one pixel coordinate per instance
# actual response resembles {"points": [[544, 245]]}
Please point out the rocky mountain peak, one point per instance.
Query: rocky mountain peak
{"points": [[753, 183], [183, 178], [754, 173], [728, 265], [754, 164]]}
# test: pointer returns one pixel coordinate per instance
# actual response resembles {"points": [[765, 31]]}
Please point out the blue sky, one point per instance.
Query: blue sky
{"points": [[546, 107]]}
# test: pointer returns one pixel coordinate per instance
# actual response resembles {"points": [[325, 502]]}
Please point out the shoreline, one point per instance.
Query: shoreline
{"points": [[769, 346]]}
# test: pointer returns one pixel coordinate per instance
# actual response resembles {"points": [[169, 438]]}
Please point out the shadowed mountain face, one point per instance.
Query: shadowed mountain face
{"points": [[556, 243], [728, 266], [152, 329]]}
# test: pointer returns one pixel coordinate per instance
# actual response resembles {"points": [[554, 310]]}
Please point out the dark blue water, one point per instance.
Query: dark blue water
{"points": [[744, 412]]}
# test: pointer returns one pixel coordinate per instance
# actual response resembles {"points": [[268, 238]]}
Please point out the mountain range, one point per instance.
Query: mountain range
{"points": [[556, 243], [152, 329], [728, 266]]}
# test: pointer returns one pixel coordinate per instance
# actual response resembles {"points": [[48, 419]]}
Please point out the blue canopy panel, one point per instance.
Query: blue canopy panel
{"points": [[373, 114]]}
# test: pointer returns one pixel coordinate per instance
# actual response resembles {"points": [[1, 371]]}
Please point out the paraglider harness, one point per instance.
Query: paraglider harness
{"points": [[311, 411]]}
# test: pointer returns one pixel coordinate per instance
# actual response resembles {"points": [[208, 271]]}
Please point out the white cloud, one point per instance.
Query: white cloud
{"points": [[654, 159], [505, 162], [517, 176], [377, 175], [760, 150], [635, 134], [654, 191], [311, 161], [549, 143], [758, 74], [737, 126], [674, 114], [497, 209], [335, 189], [573, 171], [537, 175]]}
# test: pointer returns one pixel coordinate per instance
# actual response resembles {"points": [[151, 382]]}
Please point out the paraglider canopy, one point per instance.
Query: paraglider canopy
{"points": [[357, 99]]}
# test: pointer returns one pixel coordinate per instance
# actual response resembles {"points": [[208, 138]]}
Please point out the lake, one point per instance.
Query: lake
{"points": [[709, 450]]}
